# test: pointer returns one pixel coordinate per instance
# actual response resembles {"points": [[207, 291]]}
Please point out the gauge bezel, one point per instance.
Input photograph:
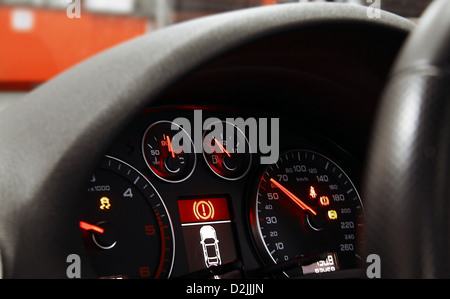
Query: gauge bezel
{"points": [[255, 227], [193, 153]]}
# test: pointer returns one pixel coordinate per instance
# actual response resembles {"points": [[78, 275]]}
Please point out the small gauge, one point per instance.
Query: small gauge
{"points": [[226, 150], [170, 161]]}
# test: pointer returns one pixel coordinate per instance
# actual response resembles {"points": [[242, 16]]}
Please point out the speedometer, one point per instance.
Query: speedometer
{"points": [[306, 204]]}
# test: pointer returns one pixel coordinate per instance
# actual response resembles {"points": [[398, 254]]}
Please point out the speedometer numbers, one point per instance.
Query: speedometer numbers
{"points": [[306, 204]]}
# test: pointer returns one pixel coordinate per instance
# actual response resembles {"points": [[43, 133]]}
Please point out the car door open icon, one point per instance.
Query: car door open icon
{"points": [[210, 244]]}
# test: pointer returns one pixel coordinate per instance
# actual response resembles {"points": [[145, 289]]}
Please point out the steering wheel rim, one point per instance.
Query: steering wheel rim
{"points": [[75, 116], [406, 189]]}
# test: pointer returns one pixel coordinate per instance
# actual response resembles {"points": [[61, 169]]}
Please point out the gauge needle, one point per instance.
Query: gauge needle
{"points": [[169, 145], [88, 226], [294, 198], [221, 147]]}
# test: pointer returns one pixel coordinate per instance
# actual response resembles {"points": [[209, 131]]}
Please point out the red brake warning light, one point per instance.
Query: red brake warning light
{"points": [[206, 209]]}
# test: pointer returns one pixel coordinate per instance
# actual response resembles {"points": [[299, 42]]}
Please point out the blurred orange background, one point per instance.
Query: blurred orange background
{"points": [[37, 44]]}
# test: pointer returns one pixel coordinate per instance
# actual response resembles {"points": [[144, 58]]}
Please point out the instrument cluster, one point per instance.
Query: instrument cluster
{"points": [[197, 192]]}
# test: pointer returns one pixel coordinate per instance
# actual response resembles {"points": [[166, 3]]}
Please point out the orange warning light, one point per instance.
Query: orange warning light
{"points": [[203, 210], [104, 203], [324, 201]]}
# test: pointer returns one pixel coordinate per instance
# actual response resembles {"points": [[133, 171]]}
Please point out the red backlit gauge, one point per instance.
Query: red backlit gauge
{"points": [[169, 161], [306, 204], [226, 150]]}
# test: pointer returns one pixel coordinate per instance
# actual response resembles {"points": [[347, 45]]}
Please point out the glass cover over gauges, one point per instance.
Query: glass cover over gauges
{"points": [[306, 205], [226, 150], [167, 158], [125, 225]]}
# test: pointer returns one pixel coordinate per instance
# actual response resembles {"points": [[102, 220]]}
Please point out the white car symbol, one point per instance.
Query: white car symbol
{"points": [[210, 245]]}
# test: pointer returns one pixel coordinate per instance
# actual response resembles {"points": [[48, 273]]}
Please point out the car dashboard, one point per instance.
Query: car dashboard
{"points": [[244, 164], [147, 196], [216, 204]]}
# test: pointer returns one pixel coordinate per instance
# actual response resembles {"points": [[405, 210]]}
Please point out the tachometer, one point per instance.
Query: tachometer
{"points": [[306, 204], [127, 230]]}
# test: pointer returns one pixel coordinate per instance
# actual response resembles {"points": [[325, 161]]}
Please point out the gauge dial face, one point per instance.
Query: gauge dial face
{"points": [[306, 204], [125, 225], [170, 158], [226, 150]]}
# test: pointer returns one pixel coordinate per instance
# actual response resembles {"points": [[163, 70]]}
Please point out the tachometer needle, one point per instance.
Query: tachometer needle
{"points": [[88, 226], [294, 198]]}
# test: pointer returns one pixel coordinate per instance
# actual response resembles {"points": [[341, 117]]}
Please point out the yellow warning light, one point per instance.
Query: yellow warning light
{"points": [[332, 214], [104, 203]]}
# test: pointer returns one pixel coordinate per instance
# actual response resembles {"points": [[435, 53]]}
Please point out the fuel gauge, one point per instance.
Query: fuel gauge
{"points": [[166, 160], [226, 150]]}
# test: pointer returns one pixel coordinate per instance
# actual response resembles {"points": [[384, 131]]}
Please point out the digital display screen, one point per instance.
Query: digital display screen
{"points": [[202, 210], [207, 231], [330, 264]]}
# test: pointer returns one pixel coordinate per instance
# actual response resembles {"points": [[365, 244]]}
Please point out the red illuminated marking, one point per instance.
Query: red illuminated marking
{"points": [[87, 226], [294, 198], [312, 192], [162, 259], [222, 148], [169, 145]]}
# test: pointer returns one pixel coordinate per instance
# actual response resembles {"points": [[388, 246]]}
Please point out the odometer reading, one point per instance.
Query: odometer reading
{"points": [[306, 204]]}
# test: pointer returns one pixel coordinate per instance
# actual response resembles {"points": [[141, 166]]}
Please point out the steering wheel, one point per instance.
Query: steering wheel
{"points": [[407, 187], [51, 140]]}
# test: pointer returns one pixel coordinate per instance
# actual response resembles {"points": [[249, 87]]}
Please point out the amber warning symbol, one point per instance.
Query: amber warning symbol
{"points": [[203, 210]]}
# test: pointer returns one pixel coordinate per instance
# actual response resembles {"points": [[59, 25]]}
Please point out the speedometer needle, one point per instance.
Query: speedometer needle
{"points": [[294, 198]]}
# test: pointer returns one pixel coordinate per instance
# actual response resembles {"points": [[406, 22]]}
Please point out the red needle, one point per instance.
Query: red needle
{"points": [[169, 144], [293, 197], [88, 226], [221, 147]]}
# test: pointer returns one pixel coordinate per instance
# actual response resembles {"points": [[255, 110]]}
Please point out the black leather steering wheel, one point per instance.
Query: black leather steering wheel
{"points": [[51, 140], [407, 196]]}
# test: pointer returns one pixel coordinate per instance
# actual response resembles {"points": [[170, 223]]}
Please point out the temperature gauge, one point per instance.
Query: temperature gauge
{"points": [[226, 150], [169, 161]]}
